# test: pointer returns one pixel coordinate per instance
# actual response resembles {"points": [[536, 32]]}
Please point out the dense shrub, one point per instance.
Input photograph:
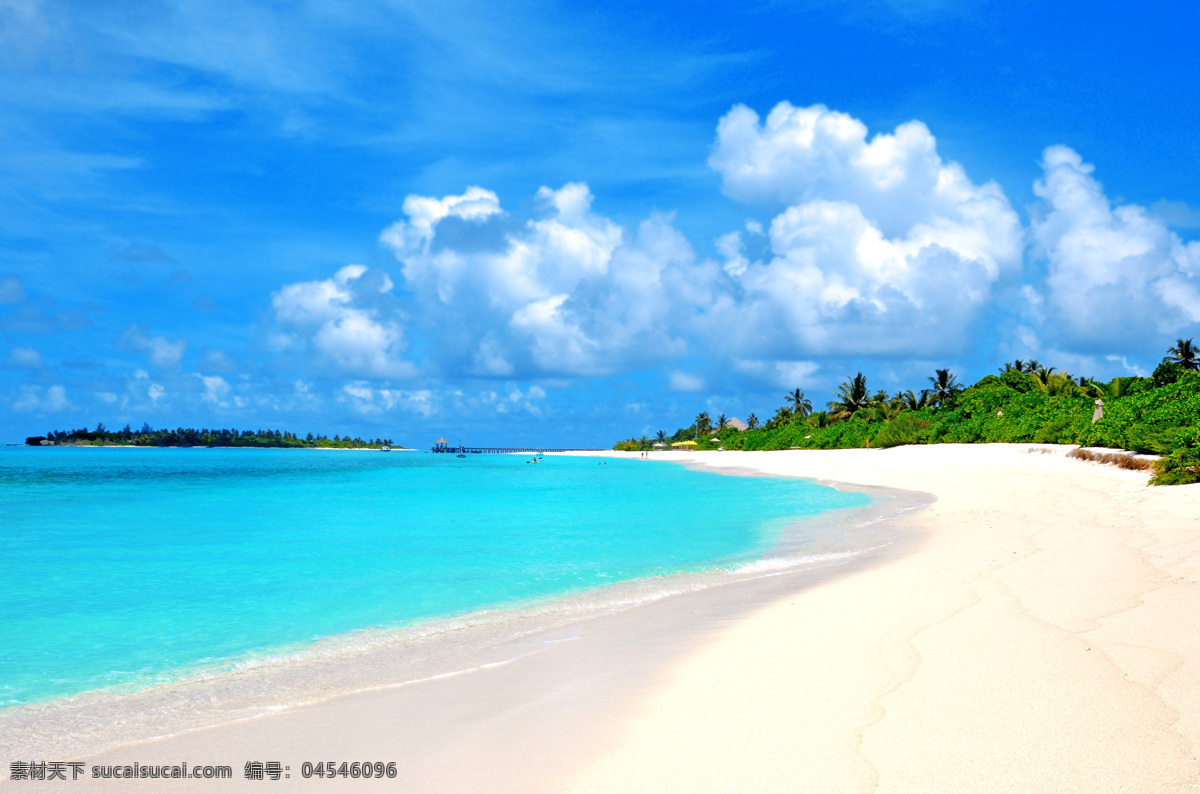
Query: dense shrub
{"points": [[907, 428], [1159, 415], [1181, 464]]}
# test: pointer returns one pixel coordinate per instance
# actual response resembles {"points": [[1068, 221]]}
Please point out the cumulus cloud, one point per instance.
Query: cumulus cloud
{"points": [[216, 390], [34, 399], [1117, 277], [370, 401], [161, 351], [870, 245], [569, 292], [517, 400], [882, 247], [345, 321], [425, 213]]}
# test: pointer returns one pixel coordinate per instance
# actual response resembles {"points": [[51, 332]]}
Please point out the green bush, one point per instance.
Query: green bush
{"points": [[1167, 373], [907, 428], [1181, 465], [1159, 415]]}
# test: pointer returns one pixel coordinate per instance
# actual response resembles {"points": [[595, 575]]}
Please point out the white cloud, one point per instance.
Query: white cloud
{"points": [[884, 248], [731, 249], [216, 390], [24, 358], [685, 381], [34, 400], [519, 400], [781, 374], [11, 290], [424, 213], [161, 351], [1117, 277], [369, 401], [567, 293], [897, 179], [342, 319], [142, 385]]}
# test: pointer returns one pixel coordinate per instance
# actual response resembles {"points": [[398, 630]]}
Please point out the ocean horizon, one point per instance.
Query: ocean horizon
{"points": [[130, 570]]}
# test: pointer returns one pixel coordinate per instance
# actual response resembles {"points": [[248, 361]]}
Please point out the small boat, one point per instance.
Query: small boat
{"points": [[385, 448]]}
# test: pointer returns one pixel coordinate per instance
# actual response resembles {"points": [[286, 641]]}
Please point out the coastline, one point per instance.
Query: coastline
{"points": [[1041, 639], [178, 446], [1031, 630], [375, 660]]}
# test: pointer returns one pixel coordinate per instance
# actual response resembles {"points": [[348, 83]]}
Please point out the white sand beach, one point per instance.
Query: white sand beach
{"points": [[1043, 638], [1036, 632]]}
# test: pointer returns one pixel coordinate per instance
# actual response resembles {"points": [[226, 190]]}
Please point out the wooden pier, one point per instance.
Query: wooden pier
{"points": [[442, 446]]}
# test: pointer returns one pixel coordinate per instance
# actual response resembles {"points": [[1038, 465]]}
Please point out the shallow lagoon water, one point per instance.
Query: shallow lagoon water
{"points": [[130, 567]]}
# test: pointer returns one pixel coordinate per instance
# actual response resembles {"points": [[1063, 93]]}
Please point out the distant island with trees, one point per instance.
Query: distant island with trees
{"points": [[1025, 402], [191, 437]]}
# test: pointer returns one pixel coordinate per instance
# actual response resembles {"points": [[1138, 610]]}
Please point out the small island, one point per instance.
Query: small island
{"points": [[191, 437]]}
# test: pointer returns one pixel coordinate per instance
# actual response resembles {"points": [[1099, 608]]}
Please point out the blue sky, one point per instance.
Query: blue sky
{"points": [[555, 223]]}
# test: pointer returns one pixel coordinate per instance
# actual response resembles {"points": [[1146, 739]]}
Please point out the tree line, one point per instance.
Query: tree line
{"points": [[1025, 401], [192, 437]]}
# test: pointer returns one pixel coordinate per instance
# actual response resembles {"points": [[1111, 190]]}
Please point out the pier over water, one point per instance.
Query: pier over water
{"points": [[444, 446]]}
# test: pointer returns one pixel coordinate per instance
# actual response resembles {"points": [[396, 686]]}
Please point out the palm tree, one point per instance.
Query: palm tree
{"points": [[945, 386], [703, 424], [722, 420], [1185, 354], [817, 419], [801, 405], [661, 437], [1043, 374], [886, 411], [1117, 387], [1016, 366], [752, 422], [644, 442], [852, 397], [1056, 383], [782, 416], [914, 402]]}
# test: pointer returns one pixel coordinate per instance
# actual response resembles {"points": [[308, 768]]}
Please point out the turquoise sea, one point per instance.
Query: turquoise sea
{"points": [[128, 567]]}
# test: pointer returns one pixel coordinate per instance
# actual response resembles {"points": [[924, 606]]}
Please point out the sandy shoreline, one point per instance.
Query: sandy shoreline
{"points": [[1041, 637]]}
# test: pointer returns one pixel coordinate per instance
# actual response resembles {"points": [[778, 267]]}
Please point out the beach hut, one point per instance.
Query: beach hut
{"points": [[441, 445], [737, 424]]}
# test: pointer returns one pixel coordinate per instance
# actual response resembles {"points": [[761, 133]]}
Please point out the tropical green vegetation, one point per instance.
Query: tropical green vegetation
{"points": [[190, 437], [1026, 402]]}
